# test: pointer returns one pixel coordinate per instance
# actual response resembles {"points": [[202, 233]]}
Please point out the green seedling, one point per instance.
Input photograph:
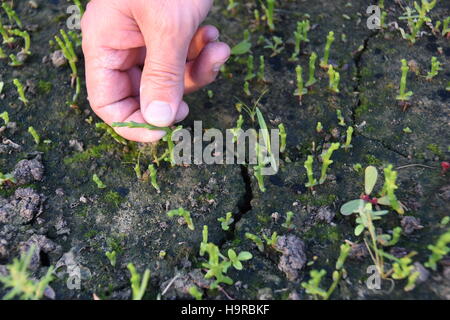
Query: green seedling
{"points": [[20, 282], [226, 221], [195, 293], [257, 169], [269, 9], [261, 75], [152, 171], [256, 240], [232, 5], [439, 251], [283, 137], [312, 70], [390, 176], [276, 45], [204, 242], [402, 268], [20, 91], [236, 259], [110, 131], [326, 157], [435, 68], [407, 130], [186, 215], [348, 139], [445, 221], [288, 223], [251, 111], [250, 68], [319, 127], [388, 240], [312, 182], [112, 257], [301, 34], [98, 182], [15, 61], [415, 22], [7, 39], [34, 134], [7, 178], [137, 167], [246, 88], [403, 95], [335, 78], [26, 38], [242, 47], [5, 116], [272, 241], [138, 287], [446, 27], [79, 5], [357, 167], [12, 15], [301, 90], [340, 118], [238, 129], [324, 60]]}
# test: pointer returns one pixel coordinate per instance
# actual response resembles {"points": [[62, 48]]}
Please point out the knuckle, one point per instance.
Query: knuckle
{"points": [[163, 76]]}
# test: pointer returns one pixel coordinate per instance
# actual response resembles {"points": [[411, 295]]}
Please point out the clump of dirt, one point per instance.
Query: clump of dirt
{"points": [[45, 250], [293, 256], [178, 287], [28, 171], [24, 206], [410, 224]]}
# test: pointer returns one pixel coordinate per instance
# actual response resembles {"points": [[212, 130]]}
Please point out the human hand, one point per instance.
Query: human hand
{"points": [[141, 56]]}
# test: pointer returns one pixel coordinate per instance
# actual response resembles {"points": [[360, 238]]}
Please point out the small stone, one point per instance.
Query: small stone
{"points": [[410, 224], [27, 171], [293, 256], [58, 58]]}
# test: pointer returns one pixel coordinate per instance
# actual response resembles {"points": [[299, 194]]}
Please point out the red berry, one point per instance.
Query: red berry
{"points": [[445, 166]]}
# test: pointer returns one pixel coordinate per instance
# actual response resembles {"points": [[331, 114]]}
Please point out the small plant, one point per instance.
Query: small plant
{"points": [[2, 55], [439, 250], [26, 38], [250, 68], [340, 118], [232, 5], [256, 240], [152, 171], [236, 259], [112, 257], [19, 280], [246, 88], [20, 91], [110, 131], [301, 34], [269, 9], [319, 127], [446, 27], [242, 47], [138, 287], [330, 40], [226, 221], [261, 75], [335, 78], [416, 22], [348, 139], [283, 137], [272, 241], [186, 215], [195, 293], [5, 116], [312, 182], [276, 45], [7, 39], [301, 91], [34, 134], [312, 69], [403, 95], [435, 68], [326, 157], [390, 176], [288, 223], [15, 61], [12, 15], [236, 131], [98, 182]]}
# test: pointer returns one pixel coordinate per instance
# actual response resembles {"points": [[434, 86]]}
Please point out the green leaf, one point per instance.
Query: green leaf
{"points": [[244, 256], [237, 265], [371, 177], [241, 48], [359, 229], [232, 255], [384, 201], [352, 207]]}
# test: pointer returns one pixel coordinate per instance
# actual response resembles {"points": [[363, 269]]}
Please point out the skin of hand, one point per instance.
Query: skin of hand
{"points": [[142, 56]]}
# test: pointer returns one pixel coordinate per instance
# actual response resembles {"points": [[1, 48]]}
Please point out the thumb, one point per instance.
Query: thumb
{"points": [[167, 37]]}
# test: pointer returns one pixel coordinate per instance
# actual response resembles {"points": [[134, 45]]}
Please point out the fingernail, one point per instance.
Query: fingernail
{"points": [[159, 113]]}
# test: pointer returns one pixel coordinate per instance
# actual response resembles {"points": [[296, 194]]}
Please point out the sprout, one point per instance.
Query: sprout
{"points": [[186, 215], [326, 157], [310, 173], [403, 95], [435, 68], [269, 11], [283, 136], [227, 221], [390, 176], [2, 54], [5, 116], [348, 140], [34, 134], [112, 257], [152, 171], [7, 39], [330, 40], [193, 291], [250, 68], [138, 287], [288, 223], [301, 34], [300, 87], [312, 69], [15, 61], [319, 127], [257, 240], [98, 182], [334, 79], [340, 118], [12, 15], [262, 69], [26, 38]]}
